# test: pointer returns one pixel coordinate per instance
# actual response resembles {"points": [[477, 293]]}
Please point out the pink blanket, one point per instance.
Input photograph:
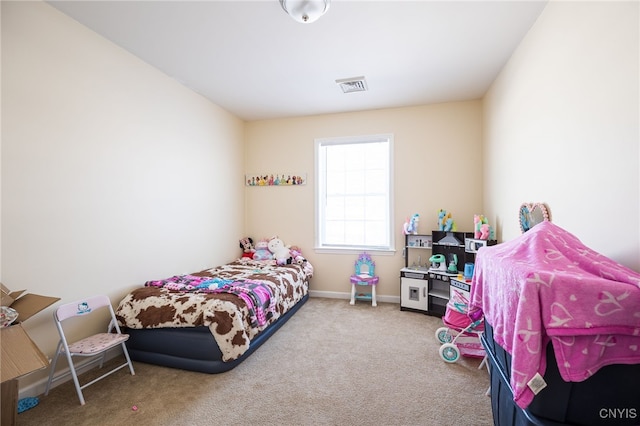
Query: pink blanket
{"points": [[546, 286]]}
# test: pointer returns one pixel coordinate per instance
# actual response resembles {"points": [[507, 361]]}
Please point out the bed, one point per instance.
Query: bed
{"points": [[562, 331], [210, 321]]}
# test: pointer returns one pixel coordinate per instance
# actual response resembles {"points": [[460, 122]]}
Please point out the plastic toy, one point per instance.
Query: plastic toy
{"points": [[445, 221], [442, 217], [484, 232], [481, 228], [438, 262], [364, 275], [463, 327], [411, 225], [453, 265], [450, 225]]}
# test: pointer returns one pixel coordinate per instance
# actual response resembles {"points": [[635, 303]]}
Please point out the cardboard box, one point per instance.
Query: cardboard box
{"points": [[27, 305], [19, 355]]}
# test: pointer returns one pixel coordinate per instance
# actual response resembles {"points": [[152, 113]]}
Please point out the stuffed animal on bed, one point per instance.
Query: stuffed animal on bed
{"points": [[281, 253], [246, 244], [262, 251], [296, 255]]}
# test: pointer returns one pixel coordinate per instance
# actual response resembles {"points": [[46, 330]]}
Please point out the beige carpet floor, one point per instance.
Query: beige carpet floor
{"points": [[331, 364]]}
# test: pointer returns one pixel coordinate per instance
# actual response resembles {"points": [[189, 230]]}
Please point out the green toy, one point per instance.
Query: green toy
{"points": [[453, 265]]}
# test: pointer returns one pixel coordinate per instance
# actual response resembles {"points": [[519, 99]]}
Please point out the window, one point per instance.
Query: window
{"points": [[353, 193]]}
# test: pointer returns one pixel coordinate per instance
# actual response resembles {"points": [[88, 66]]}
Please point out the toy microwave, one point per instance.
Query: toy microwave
{"points": [[472, 245]]}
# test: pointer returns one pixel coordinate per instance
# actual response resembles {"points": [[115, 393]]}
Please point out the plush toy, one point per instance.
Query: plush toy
{"points": [[246, 244], [262, 251], [281, 254], [296, 255]]}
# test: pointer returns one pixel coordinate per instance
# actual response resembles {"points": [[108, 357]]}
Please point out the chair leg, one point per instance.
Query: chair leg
{"points": [[52, 370], [75, 379], [126, 355], [353, 294]]}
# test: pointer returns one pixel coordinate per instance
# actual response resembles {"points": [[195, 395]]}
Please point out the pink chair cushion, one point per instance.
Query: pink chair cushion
{"points": [[97, 343]]}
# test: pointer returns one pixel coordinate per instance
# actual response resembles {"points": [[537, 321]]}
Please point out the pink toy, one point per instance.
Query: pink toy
{"points": [[477, 222], [262, 251], [484, 231]]}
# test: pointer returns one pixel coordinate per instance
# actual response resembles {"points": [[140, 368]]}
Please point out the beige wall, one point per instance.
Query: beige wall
{"points": [[437, 163], [112, 173], [561, 127]]}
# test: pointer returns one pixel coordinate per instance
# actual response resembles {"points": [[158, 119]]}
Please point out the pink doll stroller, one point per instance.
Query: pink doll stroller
{"points": [[461, 336]]}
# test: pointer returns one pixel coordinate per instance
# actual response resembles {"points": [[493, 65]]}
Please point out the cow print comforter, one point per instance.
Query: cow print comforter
{"points": [[227, 315]]}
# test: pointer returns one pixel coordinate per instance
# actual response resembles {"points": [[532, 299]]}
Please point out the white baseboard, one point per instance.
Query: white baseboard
{"points": [[37, 388], [347, 296]]}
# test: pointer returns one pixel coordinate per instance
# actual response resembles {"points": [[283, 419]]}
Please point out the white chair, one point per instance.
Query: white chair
{"points": [[92, 346]]}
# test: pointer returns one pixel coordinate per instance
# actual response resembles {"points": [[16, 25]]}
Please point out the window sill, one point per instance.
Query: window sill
{"points": [[355, 250]]}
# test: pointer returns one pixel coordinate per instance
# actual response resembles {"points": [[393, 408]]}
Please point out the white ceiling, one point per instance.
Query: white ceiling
{"points": [[253, 60]]}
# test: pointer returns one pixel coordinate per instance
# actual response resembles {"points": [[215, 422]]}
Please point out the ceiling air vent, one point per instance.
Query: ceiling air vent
{"points": [[355, 84]]}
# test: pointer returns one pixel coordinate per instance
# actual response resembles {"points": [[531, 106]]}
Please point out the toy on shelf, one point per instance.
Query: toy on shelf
{"points": [[445, 221], [453, 264], [438, 262], [411, 225], [481, 228]]}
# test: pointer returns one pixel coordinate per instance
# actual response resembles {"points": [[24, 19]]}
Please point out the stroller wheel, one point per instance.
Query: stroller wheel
{"points": [[443, 335], [449, 352]]}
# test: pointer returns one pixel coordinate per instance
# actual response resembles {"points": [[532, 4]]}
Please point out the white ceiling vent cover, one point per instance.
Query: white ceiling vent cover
{"points": [[355, 84]]}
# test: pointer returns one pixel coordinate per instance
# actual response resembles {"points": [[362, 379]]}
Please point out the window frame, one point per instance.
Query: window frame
{"points": [[320, 246]]}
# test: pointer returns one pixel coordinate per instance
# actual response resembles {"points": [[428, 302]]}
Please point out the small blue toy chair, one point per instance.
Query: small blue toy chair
{"points": [[365, 275]]}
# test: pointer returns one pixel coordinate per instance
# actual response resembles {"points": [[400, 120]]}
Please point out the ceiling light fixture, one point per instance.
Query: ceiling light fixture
{"points": [[305, 11]]}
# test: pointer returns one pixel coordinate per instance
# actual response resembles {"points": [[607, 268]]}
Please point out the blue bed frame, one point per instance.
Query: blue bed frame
{"points": [[194, 348]]}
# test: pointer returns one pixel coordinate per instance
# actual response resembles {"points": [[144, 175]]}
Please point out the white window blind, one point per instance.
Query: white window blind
{"points": [[353, 188]]}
